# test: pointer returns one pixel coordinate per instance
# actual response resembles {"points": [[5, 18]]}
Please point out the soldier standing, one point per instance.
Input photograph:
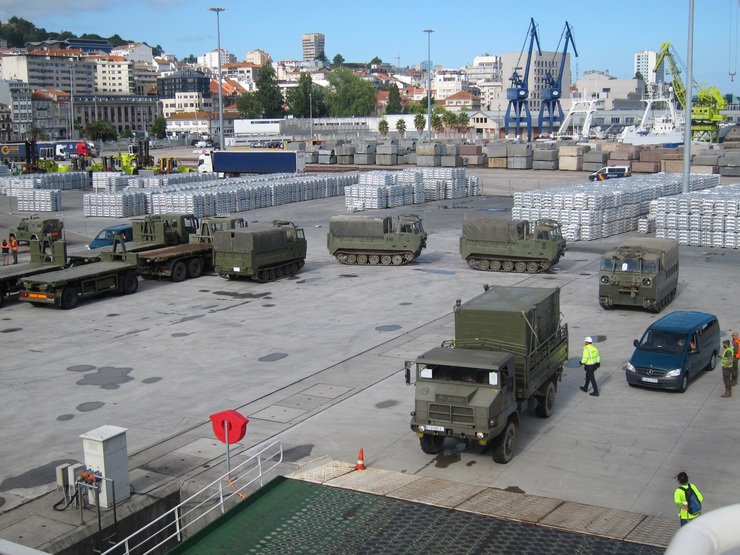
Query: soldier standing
{"points": [[728, 360], [736, 348], [14, 247]]}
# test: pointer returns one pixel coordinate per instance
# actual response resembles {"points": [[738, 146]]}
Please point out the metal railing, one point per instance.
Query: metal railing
{"points": [[190, 512]]}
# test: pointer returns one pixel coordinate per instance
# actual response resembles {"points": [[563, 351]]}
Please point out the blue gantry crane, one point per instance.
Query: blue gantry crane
{"points": [[518, 94], [550, 111]]}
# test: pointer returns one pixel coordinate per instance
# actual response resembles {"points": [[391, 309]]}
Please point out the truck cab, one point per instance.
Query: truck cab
{"points": [[35, 228]]}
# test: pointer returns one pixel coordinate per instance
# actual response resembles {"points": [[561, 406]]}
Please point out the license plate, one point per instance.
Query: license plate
{"points": [[435, 428], [650, 380]]}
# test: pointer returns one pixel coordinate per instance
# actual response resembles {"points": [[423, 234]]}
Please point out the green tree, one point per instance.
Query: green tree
{"points": [[159, 127], [322, 57], [349, 95], [375, 62], [100, 131], [35, 133], [268, 93], [420, 122], [338, 60], [449, 120], [638, 75], [462, 122], [401, 127], [437, 123], [383, 127], [394, 105], [249, 105]]}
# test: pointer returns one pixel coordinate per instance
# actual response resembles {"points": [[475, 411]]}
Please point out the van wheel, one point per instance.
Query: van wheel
{"points": [[503, 444], [684, 383], [430, 444], [69, 297], [712, 362], [546, 402]]}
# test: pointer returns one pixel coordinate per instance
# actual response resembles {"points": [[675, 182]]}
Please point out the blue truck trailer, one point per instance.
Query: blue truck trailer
{"points": [[237, 162]]}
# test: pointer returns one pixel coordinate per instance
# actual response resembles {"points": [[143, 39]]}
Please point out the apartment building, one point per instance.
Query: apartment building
{"points": [[187, 102], [135, 52], [114, 75], [312, 46], [18, 96], [645, 64], [67, 70]]}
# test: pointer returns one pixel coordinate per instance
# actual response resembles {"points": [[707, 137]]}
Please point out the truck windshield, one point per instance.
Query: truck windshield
{"points": [[455, 374], [663, 342]]}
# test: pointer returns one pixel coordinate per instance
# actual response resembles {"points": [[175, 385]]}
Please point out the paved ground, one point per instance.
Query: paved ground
{"points": [[316, 361]]}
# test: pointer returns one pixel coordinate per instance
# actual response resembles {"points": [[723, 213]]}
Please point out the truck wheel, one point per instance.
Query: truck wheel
{"points": [[397, 259], [546, 402], [508, 266], [495, 265], [130, 283], [374, 260], [362, 259], [521, 267], [195, 268], [386, 259], [532, 267], [2, 297], [179, 272], [351, 259], [430, 444], [69, 297], [503, 444], [484, 265]]}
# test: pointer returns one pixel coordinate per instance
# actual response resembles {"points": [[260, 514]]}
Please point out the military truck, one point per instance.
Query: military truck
{"points": [[508, 354], [641, 272], [35, 228], [263, 254], [114, 273], [511, 246], [367, 240], [45, 257], [187, 260]]}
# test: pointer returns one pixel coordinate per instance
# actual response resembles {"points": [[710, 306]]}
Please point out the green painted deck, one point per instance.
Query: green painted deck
{"points": [[291, 516]]}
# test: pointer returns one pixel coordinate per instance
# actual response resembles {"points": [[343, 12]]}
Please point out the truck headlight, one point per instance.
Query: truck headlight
{"points": [[420, 428], [647, 282], [673, 373], [630, 368], [604, 279], [480, 435]]}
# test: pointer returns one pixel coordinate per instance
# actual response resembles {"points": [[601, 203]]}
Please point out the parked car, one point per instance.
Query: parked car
{"points": [[674, 350], [610, 172], [106, 236]]}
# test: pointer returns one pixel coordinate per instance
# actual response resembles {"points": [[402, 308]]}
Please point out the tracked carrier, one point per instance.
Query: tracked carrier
{"points": [[366, 240], [511, 246]]}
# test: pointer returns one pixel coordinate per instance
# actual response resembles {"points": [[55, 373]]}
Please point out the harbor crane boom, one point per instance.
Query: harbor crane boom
{"points": [[551, 112], [518, 94]]}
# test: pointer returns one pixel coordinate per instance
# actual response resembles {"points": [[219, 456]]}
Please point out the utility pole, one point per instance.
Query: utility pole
{"points": [[220, 88], [429, 82]]}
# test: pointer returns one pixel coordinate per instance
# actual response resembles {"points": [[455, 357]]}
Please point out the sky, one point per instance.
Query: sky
{"points": [[606, 34]]}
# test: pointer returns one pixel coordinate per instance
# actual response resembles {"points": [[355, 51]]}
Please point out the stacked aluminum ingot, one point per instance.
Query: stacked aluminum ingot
{"points": [[595, 210], [706, 218], [35, 200], [115, 205], [11, 184]]}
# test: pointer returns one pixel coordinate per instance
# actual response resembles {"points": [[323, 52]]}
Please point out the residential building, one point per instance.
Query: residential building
{"points": [[188, 102], [462, 101], [200, 124], [645, 64], [244, 73], [135, 52], [83, 45], [17, 95], [66, 70], [485, 68], [258, 58], [6, 124], [145, 78], [124, 112], [313, 46], [447, 82], [614, 93], [51, 112], [210, 59], [114, 75], [185, 80]]}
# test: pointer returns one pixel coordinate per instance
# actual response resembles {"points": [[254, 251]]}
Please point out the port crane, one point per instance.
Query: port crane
{"points": [[551, 112], [518, 94], [705, 109]]}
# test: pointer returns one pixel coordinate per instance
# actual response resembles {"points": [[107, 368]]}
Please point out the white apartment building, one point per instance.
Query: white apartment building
{"points": [[540, 65], [313, 45], [599, 85], [114, 75], [210, 59], [447, 82], [245, 73], [17, 95], [645, 64], [258, 58], [186, 102], [145, 77], [135, 52], [66, 70]]}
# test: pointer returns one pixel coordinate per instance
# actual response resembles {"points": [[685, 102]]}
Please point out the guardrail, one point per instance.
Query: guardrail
{"points": [[198, 506]]}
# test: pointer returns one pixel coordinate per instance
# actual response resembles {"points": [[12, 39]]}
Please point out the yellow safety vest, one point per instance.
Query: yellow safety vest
{"points": [[590, 354]]}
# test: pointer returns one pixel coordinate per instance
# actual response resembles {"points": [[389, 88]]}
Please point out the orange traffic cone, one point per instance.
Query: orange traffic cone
{"points": [[360, 461]]}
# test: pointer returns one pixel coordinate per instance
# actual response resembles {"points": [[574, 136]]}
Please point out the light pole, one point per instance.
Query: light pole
{"points": [[429, 82], [310, 113], [220, 89]]}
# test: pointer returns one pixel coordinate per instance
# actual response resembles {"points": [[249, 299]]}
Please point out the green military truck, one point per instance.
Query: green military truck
{"points": [[188, 259], [35, 229], [115, 272], [511, 246], [508, 354], [368, 240], [641, 272], [263, 254], [45, 257]]}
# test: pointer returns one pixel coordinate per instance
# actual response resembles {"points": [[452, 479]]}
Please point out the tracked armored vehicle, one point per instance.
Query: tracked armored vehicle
{"points": [[511, 246], [372, 241]]}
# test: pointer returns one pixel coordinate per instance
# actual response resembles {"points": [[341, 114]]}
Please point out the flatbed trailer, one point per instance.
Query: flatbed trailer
{"points": [[177, 262], [64, 288], [11, 276], [94, 255]]}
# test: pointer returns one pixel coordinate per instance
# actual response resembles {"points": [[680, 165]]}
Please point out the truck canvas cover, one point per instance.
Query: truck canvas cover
{"points": [[359, 226], [487, 229], [649, 246], [250, 240], [518, 317]]}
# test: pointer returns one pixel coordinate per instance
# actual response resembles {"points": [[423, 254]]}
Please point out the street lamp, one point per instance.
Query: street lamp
{"points": [[429, 82], [310, 113], [220, 89]]}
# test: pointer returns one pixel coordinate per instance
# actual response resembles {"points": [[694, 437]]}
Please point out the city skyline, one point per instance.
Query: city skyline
{"points": [[606, 40]]}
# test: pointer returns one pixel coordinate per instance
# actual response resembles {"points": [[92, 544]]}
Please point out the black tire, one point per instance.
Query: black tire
{"points": [[179, 272], [711, 366], [684, 383], [69, 299], [430, 444], [503, 445], [546, 402], [130, 283], [195, 268], [2, 297]]}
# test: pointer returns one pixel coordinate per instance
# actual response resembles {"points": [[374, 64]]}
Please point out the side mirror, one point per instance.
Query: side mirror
{"points": [[635, 342], [407, 369]]}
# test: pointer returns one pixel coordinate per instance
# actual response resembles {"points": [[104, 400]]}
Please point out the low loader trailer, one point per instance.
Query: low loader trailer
{"points": [[41, 262]]}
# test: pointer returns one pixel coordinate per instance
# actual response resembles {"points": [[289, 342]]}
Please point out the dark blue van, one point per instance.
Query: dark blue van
{"points": [[105, 237], [674, 350]]}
